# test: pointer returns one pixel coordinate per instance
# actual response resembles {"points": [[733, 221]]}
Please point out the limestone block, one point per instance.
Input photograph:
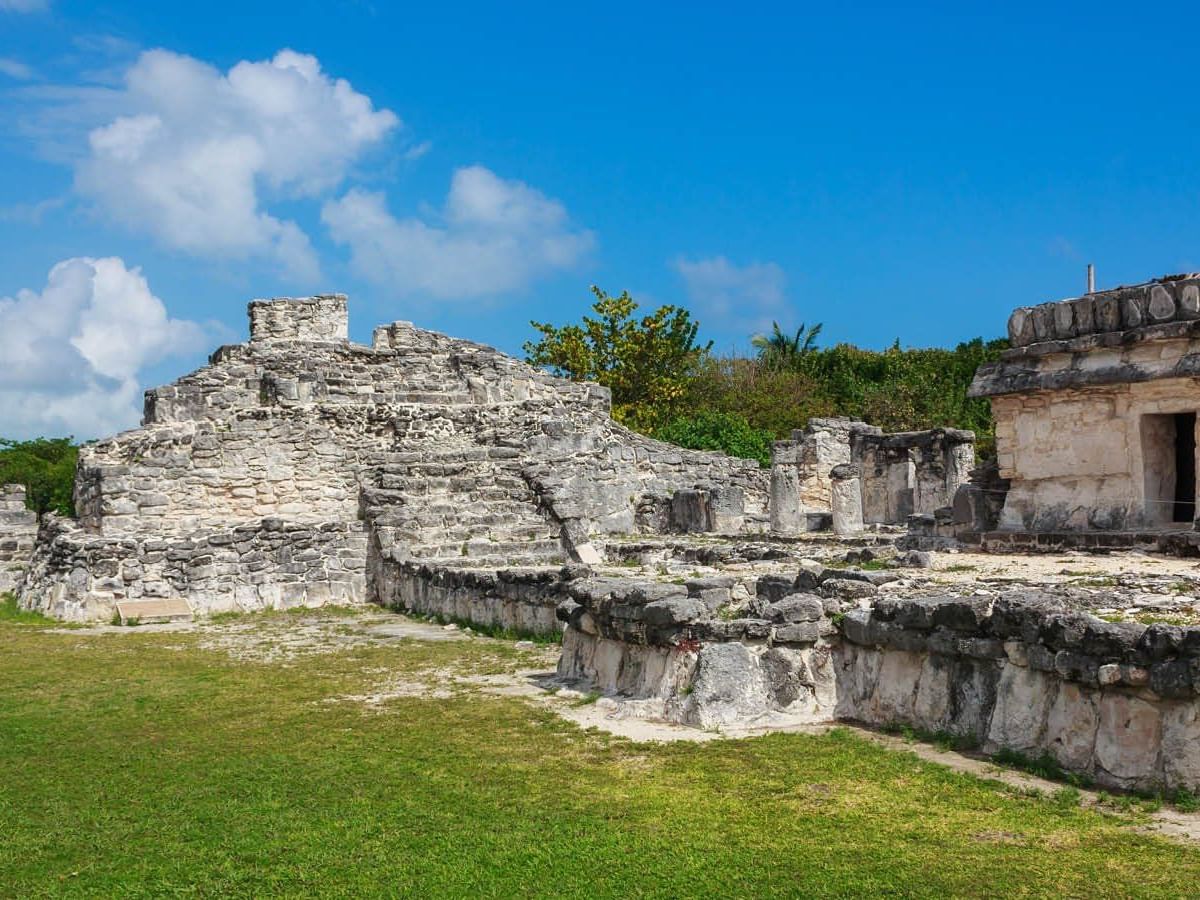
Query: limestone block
{"points": [[1189, 301], [896, 687], [1023, 699], [1128, 738], [729, 686], [1161, 304], [846, 499], [1070, 732], [932, 704], [1181, 745]]}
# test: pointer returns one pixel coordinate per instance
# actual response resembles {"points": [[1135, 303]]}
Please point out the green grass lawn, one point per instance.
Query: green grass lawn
{"points": [[142, 764]]}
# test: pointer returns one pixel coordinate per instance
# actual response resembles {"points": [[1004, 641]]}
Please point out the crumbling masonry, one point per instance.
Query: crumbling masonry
{"points": [[441, 477], [290, 467]]}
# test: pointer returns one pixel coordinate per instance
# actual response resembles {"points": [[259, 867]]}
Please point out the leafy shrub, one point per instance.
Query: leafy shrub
{"points": [[46, 466], [711, 430], [646, 362]]}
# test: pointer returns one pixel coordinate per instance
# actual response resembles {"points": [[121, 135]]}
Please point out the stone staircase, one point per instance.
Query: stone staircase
{"points": [[465, 506]]}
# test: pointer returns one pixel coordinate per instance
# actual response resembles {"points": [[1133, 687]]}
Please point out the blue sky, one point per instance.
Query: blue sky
{"points": [[893, 173]]}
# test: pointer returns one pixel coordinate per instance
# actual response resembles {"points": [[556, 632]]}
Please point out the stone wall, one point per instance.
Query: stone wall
{"points": [[1084, 458], [1084, 405], [18, 529], [519, 600], [901, 474], [1172, 299], [913, 472], [1117, 702], [269, 564], [320, 318], [709, 652], [445, 450]]}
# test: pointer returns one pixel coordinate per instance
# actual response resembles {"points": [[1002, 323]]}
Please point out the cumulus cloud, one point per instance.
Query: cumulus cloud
{"points": [[73, 351], [493, 235], [194, 155], [748, 296]]}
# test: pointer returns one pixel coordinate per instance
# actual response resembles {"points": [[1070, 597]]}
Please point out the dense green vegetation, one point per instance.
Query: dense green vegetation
{"points": [[739, 404], [46, 466], [645, 362], [139, 764]]}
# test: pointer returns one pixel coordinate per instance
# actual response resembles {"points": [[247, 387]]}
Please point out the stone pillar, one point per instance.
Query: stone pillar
{"points": [[787, 510], [846, 499]]}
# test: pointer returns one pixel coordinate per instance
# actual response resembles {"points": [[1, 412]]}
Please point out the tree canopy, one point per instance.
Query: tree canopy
{"points": [[646, 362], [670, 386]]}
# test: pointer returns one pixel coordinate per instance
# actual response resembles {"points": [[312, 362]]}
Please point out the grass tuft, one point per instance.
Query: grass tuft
{"points": [[11, 613]]}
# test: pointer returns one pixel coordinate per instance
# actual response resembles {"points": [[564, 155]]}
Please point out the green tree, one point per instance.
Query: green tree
{"points": [[46, 466], [711, 430], [646, 362], [780, 351]]}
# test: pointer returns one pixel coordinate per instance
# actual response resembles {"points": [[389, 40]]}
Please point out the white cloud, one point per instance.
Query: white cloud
{"points": [[747, 296], [193, 155], [493, 236], [73, 352], [24, 6], [14, 68]]}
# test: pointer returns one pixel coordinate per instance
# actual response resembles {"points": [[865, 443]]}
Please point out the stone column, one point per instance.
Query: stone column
{"points": [[846, 499], [787, 511]]}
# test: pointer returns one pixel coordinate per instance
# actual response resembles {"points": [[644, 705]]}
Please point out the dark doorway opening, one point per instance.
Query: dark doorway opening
{"points": [[1184, 509]]}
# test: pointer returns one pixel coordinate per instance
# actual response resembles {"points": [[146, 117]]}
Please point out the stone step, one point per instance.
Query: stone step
{"points": [[153, 612]]}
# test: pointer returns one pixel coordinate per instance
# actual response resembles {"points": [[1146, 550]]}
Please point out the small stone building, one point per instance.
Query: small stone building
{"points": [[1095, 406], [899, 475]]}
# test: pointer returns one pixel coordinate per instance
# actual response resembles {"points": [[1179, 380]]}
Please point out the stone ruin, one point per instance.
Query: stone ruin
{"points": [[1095, 407], [894, 476], [18, 529], [440, 477], [302, 469]]}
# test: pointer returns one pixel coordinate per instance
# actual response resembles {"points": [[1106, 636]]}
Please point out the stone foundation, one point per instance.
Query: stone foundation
{"points": [[523, 601], [271, 564]]}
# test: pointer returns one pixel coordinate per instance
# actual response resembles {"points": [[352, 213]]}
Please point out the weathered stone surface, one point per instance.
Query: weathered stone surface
{"points": [[848, 588], [846, 499], [18, 531], [729, 686], [675, 611], [419, 447], [1023, 698], [899, 474], [1070, 732], [796, 608], [1128, 739], [1086, 408]]}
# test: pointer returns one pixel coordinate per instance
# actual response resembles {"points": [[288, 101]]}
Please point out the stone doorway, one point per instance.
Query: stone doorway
{"points": [[1169, 463]]}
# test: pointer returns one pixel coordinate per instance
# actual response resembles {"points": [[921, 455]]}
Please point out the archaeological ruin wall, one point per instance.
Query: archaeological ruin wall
{"points": [[1095, 407], [294, 466], [898, 475], [18, 529]]}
